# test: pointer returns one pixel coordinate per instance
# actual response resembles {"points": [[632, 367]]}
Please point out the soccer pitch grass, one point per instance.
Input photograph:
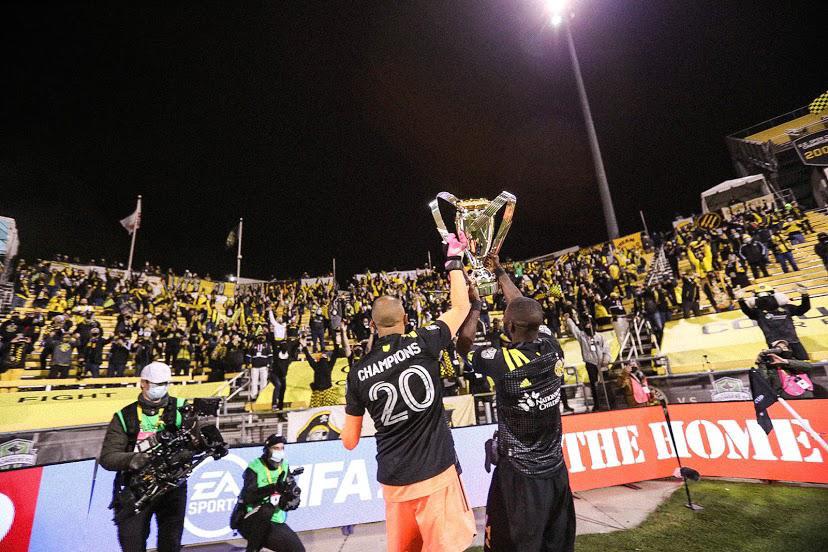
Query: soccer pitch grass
{"points": [[749, 517]]}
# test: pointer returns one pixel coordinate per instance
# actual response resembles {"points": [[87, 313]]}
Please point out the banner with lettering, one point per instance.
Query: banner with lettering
{"points": [[199, 285], [629, 241], [39, 410], [730, 339], [339, 487], [325, 423]]}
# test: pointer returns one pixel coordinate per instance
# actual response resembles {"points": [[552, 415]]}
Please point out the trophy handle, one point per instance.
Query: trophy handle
{"points": [[438, 216], [507, 199]]}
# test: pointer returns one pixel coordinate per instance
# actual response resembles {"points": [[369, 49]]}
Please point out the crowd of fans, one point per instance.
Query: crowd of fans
{"points": [[193, 326]]}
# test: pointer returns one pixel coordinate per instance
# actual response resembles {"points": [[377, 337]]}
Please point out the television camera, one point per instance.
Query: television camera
{"points": [[174, 454]]}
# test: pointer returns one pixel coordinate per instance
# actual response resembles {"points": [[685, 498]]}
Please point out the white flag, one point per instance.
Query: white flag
{"points": [[133, 221]]}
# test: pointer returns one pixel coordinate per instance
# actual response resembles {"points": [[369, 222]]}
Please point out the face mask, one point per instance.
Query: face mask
{"points": [[156, 392], [277, 456]]}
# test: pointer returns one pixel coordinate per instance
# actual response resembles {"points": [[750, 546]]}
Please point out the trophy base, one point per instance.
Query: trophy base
{"points": [[484, 280], [485, 289]]}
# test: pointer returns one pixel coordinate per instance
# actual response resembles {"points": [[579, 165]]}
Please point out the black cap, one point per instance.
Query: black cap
{"points": [[275, 440]]}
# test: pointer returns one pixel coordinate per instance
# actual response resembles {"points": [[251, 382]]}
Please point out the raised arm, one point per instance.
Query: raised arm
{"points": [[346, 345], [458, 294], [805, 305], [507, 286], [469, 328], [573, 327]]}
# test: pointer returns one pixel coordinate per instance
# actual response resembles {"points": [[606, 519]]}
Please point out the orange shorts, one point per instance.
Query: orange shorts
{"points": [[429, 516]]}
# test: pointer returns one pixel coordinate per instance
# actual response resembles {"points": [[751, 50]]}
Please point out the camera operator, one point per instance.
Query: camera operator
{"points": [[774, 315], [153, 411], [787, 375], [269, 490]]}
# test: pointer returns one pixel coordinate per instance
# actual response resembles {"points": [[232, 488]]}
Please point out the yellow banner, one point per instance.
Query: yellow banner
{"points": [[28, 411], [298, 392], [325, 423], [731, 340], [199, 285], [628, 242]]}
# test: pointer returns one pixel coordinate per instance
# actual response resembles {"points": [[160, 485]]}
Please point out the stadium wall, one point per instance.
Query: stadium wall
{"points": [[64, 507]]}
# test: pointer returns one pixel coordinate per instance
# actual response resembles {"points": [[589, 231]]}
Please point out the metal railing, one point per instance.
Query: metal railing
{"points": [[230, 383], [770, 123], [6, 298], [659, 267]]}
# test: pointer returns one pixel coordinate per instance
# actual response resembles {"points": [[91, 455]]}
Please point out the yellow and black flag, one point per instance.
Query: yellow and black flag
{"points": [[819, 105]]}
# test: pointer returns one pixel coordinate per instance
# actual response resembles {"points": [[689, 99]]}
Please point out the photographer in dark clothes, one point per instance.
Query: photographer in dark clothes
{"points": [[153, 411], [774, 314], [264, 501]]}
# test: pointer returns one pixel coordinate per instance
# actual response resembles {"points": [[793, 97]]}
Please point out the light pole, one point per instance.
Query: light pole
{"points": [[558, 9]]}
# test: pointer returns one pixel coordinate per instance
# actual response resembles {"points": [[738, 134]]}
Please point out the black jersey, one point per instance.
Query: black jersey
{"points": [[399, 383], [527, 379]]}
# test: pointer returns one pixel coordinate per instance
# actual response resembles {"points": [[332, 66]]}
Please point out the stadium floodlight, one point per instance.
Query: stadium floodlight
{"points": [[556, 6], [558, 10]]}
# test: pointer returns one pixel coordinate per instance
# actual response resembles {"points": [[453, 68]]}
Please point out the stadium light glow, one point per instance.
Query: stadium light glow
{"points": [[556, 7], [556, 19]]}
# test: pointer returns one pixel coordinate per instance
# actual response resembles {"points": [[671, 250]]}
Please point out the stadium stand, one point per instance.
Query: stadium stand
{"points": [[631, 293], [768, 148]]}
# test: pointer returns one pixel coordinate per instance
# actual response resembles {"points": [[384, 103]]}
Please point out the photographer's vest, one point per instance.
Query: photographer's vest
{"points": [[138, 425], [264, 477]]}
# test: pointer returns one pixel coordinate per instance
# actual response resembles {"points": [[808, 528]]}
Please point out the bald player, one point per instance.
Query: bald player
{"points": [[399, 384], [530, 507]]}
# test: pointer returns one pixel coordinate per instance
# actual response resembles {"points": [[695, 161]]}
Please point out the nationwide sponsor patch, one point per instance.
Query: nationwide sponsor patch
{"points": [[489, 353]]}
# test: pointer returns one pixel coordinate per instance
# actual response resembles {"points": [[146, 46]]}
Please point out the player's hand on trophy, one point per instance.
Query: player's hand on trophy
{"points": [[456, 244], [474, 295], [491, 262]]}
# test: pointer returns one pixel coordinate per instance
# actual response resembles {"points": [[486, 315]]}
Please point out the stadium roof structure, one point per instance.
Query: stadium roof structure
{"points": [[780, 131], [768, 147]]}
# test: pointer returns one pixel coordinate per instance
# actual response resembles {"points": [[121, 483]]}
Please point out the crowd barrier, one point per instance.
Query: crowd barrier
{"points": [[300, 375], [64, 507], [34, 410]]}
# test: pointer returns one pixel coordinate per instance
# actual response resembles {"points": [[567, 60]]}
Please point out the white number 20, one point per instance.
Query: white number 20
{"points": [[388, 417]]}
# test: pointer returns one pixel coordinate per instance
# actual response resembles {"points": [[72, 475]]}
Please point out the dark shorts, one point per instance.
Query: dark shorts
{"points": [[527, 514]]}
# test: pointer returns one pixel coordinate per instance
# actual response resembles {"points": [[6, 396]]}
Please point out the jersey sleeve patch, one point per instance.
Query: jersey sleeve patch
{"points": [[544, 329], [488, 353]]}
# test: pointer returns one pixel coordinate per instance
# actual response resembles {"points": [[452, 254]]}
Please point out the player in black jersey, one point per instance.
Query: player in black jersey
{"points": [[530, 507], [399, 383]]}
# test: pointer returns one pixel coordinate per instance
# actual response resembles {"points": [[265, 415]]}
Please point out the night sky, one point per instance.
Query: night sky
{"points": [[329, 126]]}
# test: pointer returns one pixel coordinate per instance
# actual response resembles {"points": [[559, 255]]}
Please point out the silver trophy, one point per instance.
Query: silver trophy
{"points": [[476, 218]]}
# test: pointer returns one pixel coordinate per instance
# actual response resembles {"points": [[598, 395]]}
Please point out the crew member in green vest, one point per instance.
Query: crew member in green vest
{"points": [[265, 481], [154, 410]]}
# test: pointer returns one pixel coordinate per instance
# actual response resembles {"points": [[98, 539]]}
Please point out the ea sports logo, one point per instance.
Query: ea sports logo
{"points": [[212, 492], [6, 515]]}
